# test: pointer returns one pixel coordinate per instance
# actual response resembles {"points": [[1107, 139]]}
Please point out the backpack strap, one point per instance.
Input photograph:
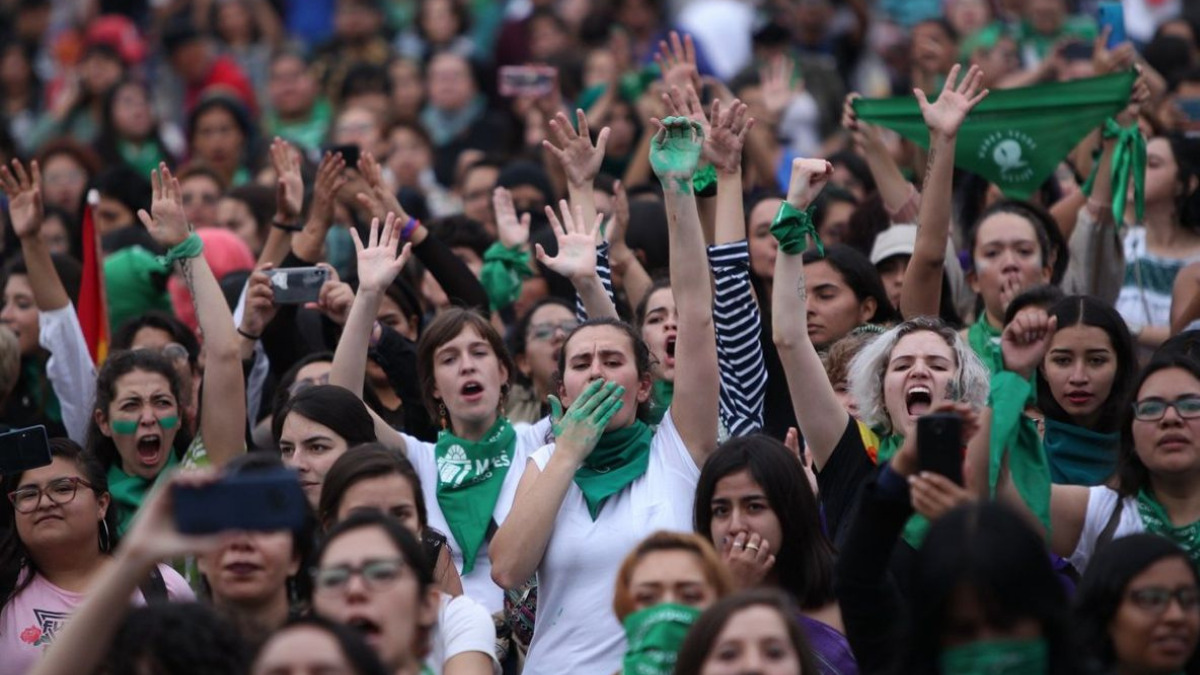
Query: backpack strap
{"points": [[1110, 528], [154, 588]]}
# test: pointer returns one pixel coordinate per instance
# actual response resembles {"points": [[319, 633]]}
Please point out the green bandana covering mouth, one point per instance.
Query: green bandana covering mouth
{"points": [[470, 475], [1015, 138], [621, 457], [997, 657], [655, 635]]}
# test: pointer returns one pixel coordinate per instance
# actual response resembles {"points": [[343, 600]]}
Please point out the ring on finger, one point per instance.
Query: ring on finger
{"points": [[751, 547]]}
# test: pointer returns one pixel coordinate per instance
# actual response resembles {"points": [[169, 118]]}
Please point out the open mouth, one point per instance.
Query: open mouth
{"points": [[472, 389], [1079, 397], [365, 627], [918, 400], [149, 448], [671, 346], [242, 569]]}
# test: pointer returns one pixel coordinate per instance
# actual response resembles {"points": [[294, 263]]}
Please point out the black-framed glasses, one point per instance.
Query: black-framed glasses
{"points": [[59, 491], [376, 575], [545, 331], [1153, 409], [1156, 599]]}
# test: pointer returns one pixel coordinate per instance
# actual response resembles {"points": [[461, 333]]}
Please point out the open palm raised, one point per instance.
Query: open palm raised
{"points": [[945, 115], [576, 258]]}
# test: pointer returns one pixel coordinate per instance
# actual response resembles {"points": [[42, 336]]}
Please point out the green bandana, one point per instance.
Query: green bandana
{"points": [[191, 247], [129, 491], [985, 342], [470, 475], [997, 657], [1157, 521], [1015, 435], [661, 394], [704, 181], [655, 635], [1079, 456], [1015, 137], [918, 525], [504, 269], [792, 227], [620, 457], [1128, 166]]}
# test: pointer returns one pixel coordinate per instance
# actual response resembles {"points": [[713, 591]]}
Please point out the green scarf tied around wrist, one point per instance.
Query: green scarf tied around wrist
{"points": [[129, 490], [191, 247], [654, 636], [985, 342], [918, 525], [504, 270], [997, 657], [621, 456], [792, 227], [1015, 437], [470, 475]]}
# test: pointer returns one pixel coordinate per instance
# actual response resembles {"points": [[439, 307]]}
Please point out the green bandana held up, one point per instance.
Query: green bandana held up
{"points": [[1015, 137], [1157, 521], [504, 270], [918, 525], [621, 457], [985, 342], [1128, 164], [792, 227], [1079, 456], [997, 657], [470, 475], [129, 491], [655, 635], [1015, 437], [662, 392]]}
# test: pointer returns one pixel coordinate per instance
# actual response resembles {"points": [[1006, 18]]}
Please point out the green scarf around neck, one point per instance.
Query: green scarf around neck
{"points": [[997, 657], [661, 394], [470, 475], [654, 636], [985, 342], [621, 457], [1079, 456], [918, 525], [129, 491], [1158, 521]]}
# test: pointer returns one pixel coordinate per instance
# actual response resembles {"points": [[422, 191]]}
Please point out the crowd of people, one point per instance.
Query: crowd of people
{"points": [[702, 337]]}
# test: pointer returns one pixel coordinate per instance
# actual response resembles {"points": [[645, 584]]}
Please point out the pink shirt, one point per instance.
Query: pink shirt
{"points": [[29, 622]]}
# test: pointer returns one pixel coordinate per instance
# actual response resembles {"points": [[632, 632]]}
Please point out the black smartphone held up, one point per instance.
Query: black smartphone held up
{"points": [[349, 152], [24, 449], [263, 501], [297, 285], [939, 445]]}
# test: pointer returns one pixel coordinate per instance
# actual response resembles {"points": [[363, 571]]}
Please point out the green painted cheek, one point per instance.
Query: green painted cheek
{"points": [[169, 422], [124, 427]]}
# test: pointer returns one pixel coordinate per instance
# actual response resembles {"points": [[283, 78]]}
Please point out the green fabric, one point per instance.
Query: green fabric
{"points": [[704, 181], [191, 247], [40, 388], [470, 475], [1015, 137], [918, 525], [1079, 456], [620, 457], [1014, 437], [1128, 165], [504, 270], [792, 227], [134, 282], [654, 636], [129, 491], [1075, 28], [985, 39], [997, 657], [308, 133], [1157, 521], [985, 342], [142, 158], [661, 394]]}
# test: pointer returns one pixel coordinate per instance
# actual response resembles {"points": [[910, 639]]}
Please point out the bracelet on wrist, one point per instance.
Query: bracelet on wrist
{"points": [[248, 336], [286, 227], [409, 228], [191, 247]]}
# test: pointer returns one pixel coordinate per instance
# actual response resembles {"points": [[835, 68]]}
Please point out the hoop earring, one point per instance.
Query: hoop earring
{"points": [[502, 405], [105, 537], [442, 417]]}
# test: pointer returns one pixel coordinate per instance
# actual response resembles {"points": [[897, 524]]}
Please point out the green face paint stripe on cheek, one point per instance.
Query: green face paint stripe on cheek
{"points": [[124, 427], [168, 422]]}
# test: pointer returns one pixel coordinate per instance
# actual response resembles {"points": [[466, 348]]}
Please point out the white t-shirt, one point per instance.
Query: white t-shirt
{"points": [[463, 625], [29, 622], [478, 584], [1101, 502], [576, 631]]}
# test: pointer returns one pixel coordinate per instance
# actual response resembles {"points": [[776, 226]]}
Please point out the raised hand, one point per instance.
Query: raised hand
{"points": [[576, 258], [686, 103], [905, 462], [579, 428], [1026, 339], [153, 535], [945, 115], [792, 442], [378, 263], [809, 177], [675, 151], [331, 177], [260, 302], [778, 85], [166, 221], [618, 224], [1139, 95], [380, 199], [335, 298], [1107, 61], [727, 135], [677, 61], [513, 231], [748, 558], [580, 159], [289, 191], [866, 136], [24, 192]]}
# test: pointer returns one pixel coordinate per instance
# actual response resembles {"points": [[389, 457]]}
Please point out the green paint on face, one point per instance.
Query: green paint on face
{"points": [[169, 422], [125, 427]]}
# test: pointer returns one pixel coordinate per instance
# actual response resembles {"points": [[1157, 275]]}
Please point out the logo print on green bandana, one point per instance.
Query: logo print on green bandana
{"points": [[1008, 149]]}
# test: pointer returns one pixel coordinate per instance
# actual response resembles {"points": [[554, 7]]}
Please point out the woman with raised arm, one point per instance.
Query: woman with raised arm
{"points": [[137, 429], [608, 479]]}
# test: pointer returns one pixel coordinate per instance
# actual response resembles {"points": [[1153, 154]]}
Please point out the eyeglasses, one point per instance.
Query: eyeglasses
{"points": [[60, 491], [376, 575], [1155, 600], [545, 331], [1152, 409]]}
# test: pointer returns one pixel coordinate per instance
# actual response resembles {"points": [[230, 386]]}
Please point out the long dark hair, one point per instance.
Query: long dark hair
{"points": [[116, 366], [1103, 589], [405, 542], [108, 140], [641, 352], [860, 275], [14, 557], [991, 551], [1053, 255], [447, 326], [702, 638], [804, 559], [362, 659], [331, 406], [363, 462], [1132, 474]]}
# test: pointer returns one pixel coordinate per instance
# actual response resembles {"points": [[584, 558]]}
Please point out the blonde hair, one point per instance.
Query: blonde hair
{"points": [[870, 365], [10, 361], [714, 570]]}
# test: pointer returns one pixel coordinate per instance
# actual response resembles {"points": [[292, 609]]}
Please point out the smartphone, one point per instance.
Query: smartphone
{"points": [[24, 449], [939, 445], [1112, 14], [527, 81], [262, 501], [1190, 107], [297, 285], [1077, 51], [349, 152]]}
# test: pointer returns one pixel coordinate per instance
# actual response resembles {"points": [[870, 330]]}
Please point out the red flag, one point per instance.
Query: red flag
{"points": [[93, 310]]}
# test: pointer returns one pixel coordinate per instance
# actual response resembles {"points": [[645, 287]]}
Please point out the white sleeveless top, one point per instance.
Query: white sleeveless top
{"points": [[576, 631], [1101, 502]]}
